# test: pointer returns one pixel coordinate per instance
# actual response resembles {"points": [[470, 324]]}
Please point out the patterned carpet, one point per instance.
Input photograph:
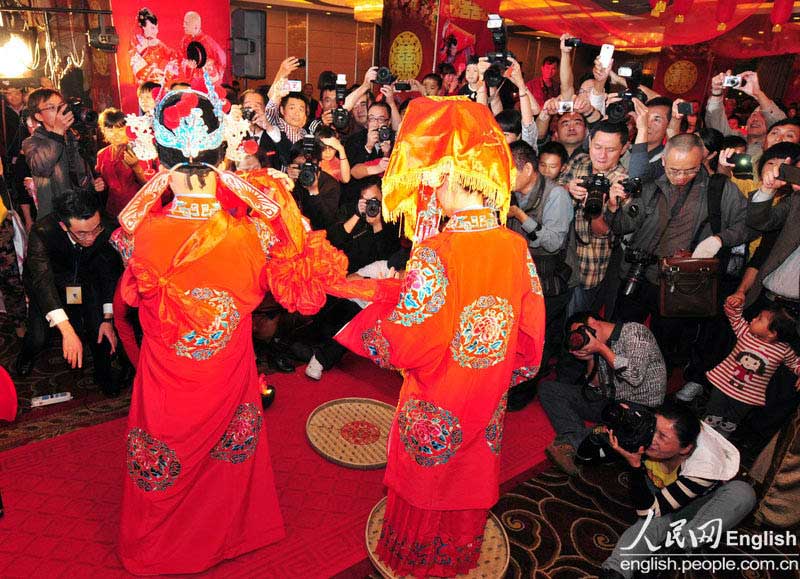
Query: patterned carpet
{"points": [[559, 527], [564, 528]]}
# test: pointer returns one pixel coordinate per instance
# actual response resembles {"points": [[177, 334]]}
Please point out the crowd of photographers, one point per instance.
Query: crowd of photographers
{"points": [[612, 180]]}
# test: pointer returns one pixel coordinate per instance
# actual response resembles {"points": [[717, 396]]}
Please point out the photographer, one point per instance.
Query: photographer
{"points": [[590, 245], [652, 120], [765, 115], [367, 151], [683, 476], [319, 199], [674, 213], [621, 362], [360, 231], [52, 151], [541, 211], [270, 139]]}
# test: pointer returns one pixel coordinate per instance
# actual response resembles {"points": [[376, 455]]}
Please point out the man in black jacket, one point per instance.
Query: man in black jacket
{"points": [[70, 274], [269, 138]]}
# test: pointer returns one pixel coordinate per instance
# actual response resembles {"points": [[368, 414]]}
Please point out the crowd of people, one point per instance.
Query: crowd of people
{"points": [[609, 179]]}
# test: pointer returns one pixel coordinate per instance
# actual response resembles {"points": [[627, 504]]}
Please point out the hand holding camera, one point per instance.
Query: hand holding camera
{"points": [[597, 187], [64, 119], [634, 459], [577, 190], [568, 42]]}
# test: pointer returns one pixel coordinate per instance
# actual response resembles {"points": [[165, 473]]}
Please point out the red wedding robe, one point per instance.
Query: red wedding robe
{"points": [[198, 461], [469, 313]]}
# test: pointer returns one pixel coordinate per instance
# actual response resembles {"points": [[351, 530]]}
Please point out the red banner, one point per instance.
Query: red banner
{"points": [[166, 43], [462, 33], [410, 28]]}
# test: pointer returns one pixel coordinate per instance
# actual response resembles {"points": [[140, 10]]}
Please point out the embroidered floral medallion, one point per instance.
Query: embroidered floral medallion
{"points": [[430, 434], [202, 344], [494, 430], [152, 465], [240, 439], [424, 289], [482, 337]]}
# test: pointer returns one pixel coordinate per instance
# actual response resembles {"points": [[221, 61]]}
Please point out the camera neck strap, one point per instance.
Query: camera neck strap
{"points": [[673, 213]]}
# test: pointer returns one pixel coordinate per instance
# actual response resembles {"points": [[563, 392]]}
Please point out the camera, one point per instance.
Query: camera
{"points": [[565, 107], [617, 111], [385, 134], [573, 42], [385, 76], [578, 338], [340, 115], [733, 81], [633, 426], [789, 174], [373, 208], [687, 108], [498, 60], [632, 187], [309, 169], [301, 62], [248, 114], [402, 86], [640, 260], [742, 166], [598, 187], [85, 118]]}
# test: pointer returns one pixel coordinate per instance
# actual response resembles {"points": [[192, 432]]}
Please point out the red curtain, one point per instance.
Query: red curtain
{"points": [[598, 22]]}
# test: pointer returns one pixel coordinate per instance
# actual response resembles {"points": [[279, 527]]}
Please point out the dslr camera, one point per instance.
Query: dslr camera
{"points": [[385, 134], [385, 76], [640, 260], [85, 118], [341, 116], [498, 60], [373, 208], [633, 426], [578, 338], [248, 114], [309, 170], [742, 166], [598, 187], [617, 111]]}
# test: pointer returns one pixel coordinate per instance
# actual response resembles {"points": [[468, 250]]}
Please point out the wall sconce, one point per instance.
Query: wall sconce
{"points": [[16, 53]]}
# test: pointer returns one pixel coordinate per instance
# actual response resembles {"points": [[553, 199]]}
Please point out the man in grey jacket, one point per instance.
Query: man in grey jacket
{"points": [[672, 214], [764, 116], [52, 152], [542, 211]]}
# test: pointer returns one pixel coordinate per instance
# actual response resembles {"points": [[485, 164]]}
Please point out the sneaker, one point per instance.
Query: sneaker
{"points": [[563, 456], [689, 391], [314, 369]]}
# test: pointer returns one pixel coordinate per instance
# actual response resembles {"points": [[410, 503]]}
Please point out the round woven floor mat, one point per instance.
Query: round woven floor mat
{"points": [[351, 432], [493, 561]]}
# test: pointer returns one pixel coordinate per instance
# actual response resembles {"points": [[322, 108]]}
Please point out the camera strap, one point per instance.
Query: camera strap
{"points": [[676, 209]]}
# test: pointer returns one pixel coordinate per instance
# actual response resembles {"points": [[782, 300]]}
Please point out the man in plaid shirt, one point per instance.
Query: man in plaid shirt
{"points": [[591, 242]]}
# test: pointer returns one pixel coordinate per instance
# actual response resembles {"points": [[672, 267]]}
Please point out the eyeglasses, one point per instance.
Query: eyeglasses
{"points": [[682, 172], [88, 234], [377, 119], [51, 107]]}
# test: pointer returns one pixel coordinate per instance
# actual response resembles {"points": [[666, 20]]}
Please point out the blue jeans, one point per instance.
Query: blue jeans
{"points": [[583, 299], [730, 503]]}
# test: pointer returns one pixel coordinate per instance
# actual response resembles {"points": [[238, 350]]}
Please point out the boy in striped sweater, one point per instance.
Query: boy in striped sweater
{"points": [[740, 380]]}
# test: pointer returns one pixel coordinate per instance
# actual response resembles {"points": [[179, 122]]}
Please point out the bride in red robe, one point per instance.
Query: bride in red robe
{"points": [[199, 487], [466, 321]]}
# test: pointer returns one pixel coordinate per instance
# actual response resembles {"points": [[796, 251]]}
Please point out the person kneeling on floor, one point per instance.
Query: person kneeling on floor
{"points": [[608, 362], [681, 487], [70, 274]]}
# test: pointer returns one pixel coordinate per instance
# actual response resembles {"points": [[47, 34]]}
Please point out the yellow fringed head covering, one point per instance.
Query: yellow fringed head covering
{"points": [[443, 136]]}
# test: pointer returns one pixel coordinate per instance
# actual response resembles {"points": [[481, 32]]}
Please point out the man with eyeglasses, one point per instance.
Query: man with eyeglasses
{"points": [[70, 274], [52, 152], [672, 214], [367, 153]]}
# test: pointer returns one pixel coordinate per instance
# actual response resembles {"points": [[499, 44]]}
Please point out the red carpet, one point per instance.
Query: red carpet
{"points": [[62, 495]]}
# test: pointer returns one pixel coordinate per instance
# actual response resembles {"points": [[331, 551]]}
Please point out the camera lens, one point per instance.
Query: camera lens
{"points": [[384, 134], [308, 174], [248, 114], [493, 76], [373, 208], [384, 76], [341, 118]]}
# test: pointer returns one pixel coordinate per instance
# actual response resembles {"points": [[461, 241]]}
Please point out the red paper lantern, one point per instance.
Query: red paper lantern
{"points": [[781, 12], [725, 10], [682, 8]]}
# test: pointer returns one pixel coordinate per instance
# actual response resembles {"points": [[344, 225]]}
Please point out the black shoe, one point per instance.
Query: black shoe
{"points": [[281, 363], [521, 395], [23, 366], [595, 450]]}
